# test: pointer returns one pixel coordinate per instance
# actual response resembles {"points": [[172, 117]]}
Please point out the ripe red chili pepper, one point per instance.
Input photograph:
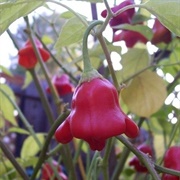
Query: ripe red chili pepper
{"points": [[161, 33], [27, 56], [130, 38], [95, 115], [135, 161], [62, 84], [124, 17], [172, 161], [47, 171]]}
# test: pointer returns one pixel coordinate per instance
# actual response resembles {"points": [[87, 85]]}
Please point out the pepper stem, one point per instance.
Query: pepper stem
{"points": [[89, 72]]}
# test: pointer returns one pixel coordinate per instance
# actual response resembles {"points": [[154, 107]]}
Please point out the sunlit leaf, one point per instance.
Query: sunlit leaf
{"points": [[167, 11], [6, 108], [18, 130], [146, 94], [93, 1], [5, 70], [47, 39], [144, 30], [30, 147], [72, 32], [133, 62], [10, 11], [28, 79], [69, 14]]}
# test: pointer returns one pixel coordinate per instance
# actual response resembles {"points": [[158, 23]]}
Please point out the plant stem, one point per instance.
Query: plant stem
{"points": [[71, 10], [56, 61], [108, 58], [87, 63], [42, 155], [43, 97], [119, 167], [93, 162], [124, 155], [12, 159], [167, 170], [106, 158], [23, 118], [141, 156], [43, 66], [77, 157]]}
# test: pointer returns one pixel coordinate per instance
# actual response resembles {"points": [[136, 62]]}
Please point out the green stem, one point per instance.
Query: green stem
{"points": [[119, 167], [124, 155], [43, 97], [93, 162], [141, 156], [23, 118], [167, 170], [106, 158], [42, 155], [87, 64], [54, 150], [56, 61], [67, 159], [12, 159], [43, 66], [108, 58], [71, 10]]}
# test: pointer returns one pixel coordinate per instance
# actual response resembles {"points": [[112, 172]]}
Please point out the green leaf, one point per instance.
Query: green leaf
{"points": [[69, 14], [144, 30], [10, 11], [167, 11], [133, 61], [30, 147], [72, 32], [5, 70], [97, 51], [6, 108], [18, 130], [93, 1], [146, 94], [28, 79]]}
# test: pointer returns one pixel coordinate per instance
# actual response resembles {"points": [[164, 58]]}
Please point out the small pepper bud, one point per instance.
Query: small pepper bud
{"points": [[160, 33], [135, 161], [62, 84], [171, 160], [95, 115], [27, 56], [47, 171], [123, 18], [130, 38]]}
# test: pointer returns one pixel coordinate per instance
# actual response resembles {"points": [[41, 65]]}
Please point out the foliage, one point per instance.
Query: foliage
{"points": [[146, 77]]}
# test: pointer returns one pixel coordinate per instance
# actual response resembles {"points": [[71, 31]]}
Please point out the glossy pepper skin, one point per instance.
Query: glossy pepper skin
{"points": [[47, 171], [62, 84], [123, 18], [95, 115], [135, 161], [172, 161], [27, 56], [130, 38], [160, 33]]}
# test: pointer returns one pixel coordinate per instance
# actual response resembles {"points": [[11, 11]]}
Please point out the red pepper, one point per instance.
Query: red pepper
{"points": [[161, 33], [95, 115], [130, 38], [27, 56], [172, 161], [47, 171], [62, 84], [135, 161], [123, 18]]}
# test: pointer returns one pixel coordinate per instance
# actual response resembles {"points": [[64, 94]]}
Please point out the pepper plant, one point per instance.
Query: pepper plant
{"points": [[112, 102]]}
